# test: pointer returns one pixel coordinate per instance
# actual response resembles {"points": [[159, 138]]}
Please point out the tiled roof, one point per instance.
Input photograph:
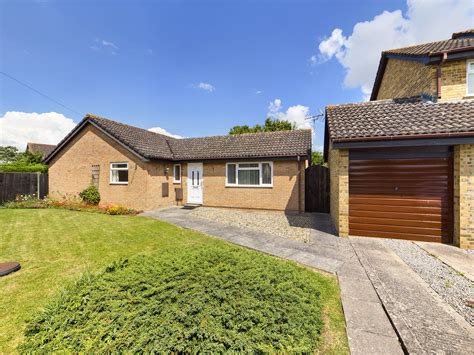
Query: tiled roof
{"points": [[146, 143], [250, 145], [151, 145], [432, 48], [44, 149], [398, 119]]}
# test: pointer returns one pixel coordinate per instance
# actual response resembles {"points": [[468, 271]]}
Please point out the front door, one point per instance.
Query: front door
{"points": [[195, 180]]}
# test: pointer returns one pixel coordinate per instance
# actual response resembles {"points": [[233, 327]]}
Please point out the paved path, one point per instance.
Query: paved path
{"points": [[383, 299], [456, 258], [423, 320]]}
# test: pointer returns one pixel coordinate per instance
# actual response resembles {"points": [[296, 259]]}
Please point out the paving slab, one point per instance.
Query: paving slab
{"points": [[454, 257], [424, 322]]}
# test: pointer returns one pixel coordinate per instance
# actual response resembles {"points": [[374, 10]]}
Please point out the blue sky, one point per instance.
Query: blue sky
{"points": [[194, 68]]}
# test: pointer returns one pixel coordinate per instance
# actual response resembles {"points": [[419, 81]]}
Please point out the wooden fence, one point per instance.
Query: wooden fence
{"points": [[13, 184], [317, 189]]}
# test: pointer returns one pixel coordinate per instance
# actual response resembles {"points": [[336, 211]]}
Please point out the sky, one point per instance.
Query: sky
{"points": [[197, 68]]}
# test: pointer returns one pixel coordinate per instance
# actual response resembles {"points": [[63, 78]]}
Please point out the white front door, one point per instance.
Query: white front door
{"points": [[195, 179]]}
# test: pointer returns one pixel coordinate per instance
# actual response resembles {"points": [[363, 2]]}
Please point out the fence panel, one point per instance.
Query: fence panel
{"points": [[13, 184]]}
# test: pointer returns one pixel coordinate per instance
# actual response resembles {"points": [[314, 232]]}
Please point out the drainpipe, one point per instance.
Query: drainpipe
{"points": [[299, 184], [438, 74]]}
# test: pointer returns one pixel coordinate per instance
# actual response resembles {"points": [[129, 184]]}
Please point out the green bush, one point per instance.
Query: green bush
{"points": [[90, 195], [207, 299], [23, 167]]}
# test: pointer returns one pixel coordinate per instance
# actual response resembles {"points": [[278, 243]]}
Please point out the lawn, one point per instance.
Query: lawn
{"points": [[137, 272]]}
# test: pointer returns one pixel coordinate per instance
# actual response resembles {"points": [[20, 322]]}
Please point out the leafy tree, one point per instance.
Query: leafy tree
{"points": [[317, 158], [8, 154], [270, 125]]}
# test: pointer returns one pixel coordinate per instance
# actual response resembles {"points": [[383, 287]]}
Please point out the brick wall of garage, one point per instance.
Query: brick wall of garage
{"points": [[464, 196], [282, 196], [71, 171], [338, 162]]}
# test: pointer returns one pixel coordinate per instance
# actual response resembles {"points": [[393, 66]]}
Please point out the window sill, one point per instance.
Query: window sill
{"points": [[176, 182], [118, 183], [252, 186]]}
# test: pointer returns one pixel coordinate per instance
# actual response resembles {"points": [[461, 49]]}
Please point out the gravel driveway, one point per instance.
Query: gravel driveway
{"points": [[292, 226]]}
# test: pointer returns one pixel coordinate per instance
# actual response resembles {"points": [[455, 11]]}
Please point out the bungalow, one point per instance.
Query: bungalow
{"points": [[146, 170], [402, 165]]}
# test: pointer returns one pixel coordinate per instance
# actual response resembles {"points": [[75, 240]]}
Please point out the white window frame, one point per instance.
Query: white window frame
{"points": [[237, 173], [180, 174], [112, 169], [468, 64]]}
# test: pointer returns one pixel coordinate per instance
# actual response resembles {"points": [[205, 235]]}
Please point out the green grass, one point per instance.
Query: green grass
{"points": [[56, 247]]}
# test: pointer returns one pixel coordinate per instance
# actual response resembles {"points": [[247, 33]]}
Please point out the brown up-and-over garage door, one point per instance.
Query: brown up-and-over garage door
{"points": [[404, 193]]}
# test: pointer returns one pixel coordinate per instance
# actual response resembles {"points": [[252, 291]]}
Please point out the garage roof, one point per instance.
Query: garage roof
{"points": [[408, 118]]}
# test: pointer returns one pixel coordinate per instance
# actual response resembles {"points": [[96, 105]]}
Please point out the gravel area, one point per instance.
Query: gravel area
{"points": [[454, 288], [292, 226]]}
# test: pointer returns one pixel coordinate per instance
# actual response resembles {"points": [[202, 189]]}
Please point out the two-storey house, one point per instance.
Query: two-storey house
{"points": [[402, 164]]}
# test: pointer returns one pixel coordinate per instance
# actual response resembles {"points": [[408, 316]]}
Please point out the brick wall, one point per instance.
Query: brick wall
{"points": [[71, 171], [338, 161], [453, 80], [404, 78], [464, 196], [282, 196]]}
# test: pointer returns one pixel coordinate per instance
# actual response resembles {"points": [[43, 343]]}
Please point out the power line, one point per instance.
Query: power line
{"points": [[39, 93]]}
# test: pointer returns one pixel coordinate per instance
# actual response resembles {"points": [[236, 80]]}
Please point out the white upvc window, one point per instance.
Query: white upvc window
{"points": [[176, 173], [119, 173], [249, 174], [470, 78]]}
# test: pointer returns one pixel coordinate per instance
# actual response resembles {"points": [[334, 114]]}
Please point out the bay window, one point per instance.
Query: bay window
{"points": [[249, 174]]}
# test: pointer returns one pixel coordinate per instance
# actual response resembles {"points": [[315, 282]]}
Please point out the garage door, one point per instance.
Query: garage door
{"points": [[403, 194]]}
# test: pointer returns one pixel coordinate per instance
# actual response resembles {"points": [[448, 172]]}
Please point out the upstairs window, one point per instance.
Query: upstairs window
{"points": [[177, 173], [119, 173], [249, 174], [470, 78]]}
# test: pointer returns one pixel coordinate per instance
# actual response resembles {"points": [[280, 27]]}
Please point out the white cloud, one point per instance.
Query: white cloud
{"points": [[295, 114], [103, 45], [18, 128], [204, 86], [424, 21], [164, 132], [258, 92]]}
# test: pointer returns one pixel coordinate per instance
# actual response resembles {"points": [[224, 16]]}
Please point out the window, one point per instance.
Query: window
{"points": [[119, 173], [177, 173], [470, 78], [249, 174]]}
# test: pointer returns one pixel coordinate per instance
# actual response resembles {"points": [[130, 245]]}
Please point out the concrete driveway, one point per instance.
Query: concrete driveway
{"points": [[389, 308]]}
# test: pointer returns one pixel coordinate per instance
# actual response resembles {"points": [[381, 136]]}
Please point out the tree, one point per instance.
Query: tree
{"points": [[270, 125], [8, 154], [317, 158]]}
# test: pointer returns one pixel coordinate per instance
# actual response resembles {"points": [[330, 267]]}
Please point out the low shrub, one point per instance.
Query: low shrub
{"points": [[26, 201], [119, 210], [90, 195], [207, 299]]}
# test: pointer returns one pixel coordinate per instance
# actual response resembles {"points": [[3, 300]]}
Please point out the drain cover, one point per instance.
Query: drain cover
{"points": [[6, 268]]}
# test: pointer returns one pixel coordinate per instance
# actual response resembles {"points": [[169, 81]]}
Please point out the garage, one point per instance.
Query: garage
{"points": [[402, 193]]}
